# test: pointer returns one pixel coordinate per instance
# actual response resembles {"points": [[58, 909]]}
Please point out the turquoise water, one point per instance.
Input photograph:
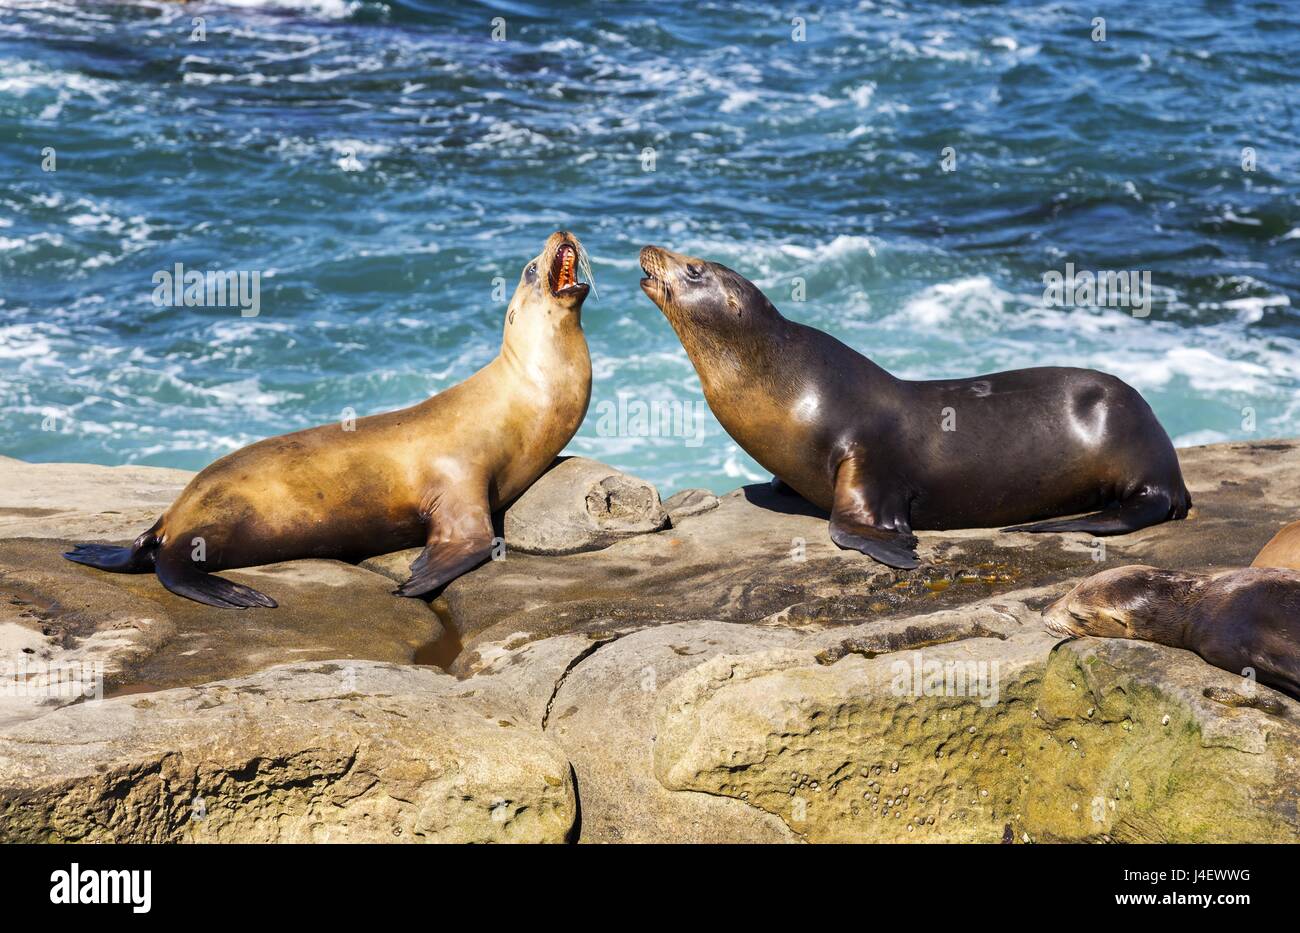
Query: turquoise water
{"points": [[381, 163]]}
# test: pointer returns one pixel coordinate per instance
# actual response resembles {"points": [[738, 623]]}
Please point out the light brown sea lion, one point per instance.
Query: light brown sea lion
{"points": [[1242, 620], [1282, 550], [430, 475], [887, 455]]}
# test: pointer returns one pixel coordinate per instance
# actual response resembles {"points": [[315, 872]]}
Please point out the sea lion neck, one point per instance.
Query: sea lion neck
{"points": [[738, 354], [546, 372], [1180, 593], [539, 347]]}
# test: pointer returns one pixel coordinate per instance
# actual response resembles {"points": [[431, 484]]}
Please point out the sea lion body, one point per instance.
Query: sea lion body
{"points": [[428, 475], [887, 455], [1242, 621], [1282, 550]]}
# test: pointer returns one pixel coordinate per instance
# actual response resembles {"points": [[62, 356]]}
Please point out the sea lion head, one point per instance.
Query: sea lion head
{"points": [[549, 285], [1126, 602], [696, 294]]}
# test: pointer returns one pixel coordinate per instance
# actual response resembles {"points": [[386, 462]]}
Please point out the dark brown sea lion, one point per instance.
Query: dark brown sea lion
{"points": [[885, 455], [1282, 550], [430, 475], [1243, 620]]}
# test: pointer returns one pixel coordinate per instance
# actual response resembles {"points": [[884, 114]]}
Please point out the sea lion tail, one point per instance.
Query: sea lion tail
{"points": [[181, 576], [138, 558]]}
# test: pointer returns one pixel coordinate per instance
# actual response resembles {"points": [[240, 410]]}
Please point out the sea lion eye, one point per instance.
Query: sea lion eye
{"points": [[531, 272], [693, 271]]}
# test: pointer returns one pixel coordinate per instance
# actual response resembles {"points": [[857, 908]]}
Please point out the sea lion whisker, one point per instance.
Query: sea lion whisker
{"points": [[584, 264]]}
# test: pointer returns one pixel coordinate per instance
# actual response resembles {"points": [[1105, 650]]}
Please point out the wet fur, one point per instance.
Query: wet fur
{"points": [[802, 403]]}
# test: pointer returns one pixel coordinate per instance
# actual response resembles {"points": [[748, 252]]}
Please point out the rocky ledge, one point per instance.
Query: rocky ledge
{"points": [[698, 669]]}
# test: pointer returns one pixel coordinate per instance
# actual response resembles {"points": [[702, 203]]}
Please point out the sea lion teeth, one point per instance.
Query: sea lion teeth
{"points": [[563, 275], [429, 475], [885, 455]]}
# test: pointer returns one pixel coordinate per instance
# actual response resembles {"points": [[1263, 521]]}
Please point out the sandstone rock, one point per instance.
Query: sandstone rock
{"points": [[595, 700], [334, 751], [859, 749], [1098, 740], [61, 637], [60, 614], [764, 557], [92, 503], [757, 558], [688, 503], [595, 695], [1135, 742], [581, 505], [703, 679]]}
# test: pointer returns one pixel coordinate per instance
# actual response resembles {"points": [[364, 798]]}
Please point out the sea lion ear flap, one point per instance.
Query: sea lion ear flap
{"points": [[734, 303]]}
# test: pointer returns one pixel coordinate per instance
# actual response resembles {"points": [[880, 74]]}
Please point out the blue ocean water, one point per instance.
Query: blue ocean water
{"points": [[381, 163]]}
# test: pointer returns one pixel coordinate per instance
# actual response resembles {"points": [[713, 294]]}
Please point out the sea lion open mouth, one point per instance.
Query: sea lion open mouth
{"points": [[652, 264], [563, 276]]}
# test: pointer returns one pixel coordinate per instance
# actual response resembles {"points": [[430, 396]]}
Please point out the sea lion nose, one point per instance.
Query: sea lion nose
{"points": [[652, 260]]}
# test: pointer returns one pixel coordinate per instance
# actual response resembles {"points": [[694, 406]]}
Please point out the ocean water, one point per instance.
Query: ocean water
{"points": [[380, 163]]}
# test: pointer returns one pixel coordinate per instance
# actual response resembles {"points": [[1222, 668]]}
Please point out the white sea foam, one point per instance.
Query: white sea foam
{"points": [[972, 300], [861, 96], [24, 341], [19, 78], [508, 138], [1250, 310], [330, 9], [737, 100], [737, 466], [1197, 438]]}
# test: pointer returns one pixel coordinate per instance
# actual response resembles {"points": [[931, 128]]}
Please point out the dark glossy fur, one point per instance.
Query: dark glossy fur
{"points": [[985, 451]]}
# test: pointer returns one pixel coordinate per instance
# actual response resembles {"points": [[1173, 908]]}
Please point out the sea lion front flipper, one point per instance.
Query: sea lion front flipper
{"points": [[441, 562], [855, 525], [460, 538]]}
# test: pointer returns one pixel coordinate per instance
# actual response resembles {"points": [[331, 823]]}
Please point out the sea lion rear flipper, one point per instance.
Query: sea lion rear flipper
{"points": [[854, 524], [111, 558], [138, 558], [180, 575], [1149, 507]]}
